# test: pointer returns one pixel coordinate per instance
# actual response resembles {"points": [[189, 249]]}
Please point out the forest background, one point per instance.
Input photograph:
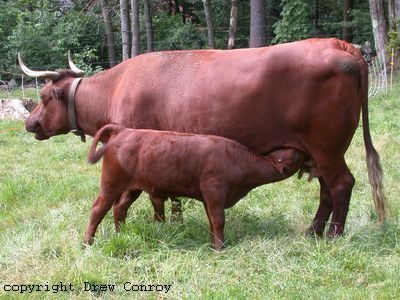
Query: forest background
{"points": [[102, 33]]}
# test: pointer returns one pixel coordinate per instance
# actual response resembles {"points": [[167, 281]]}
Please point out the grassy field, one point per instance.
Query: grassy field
{"points": [[29, 93], [46, 193]]}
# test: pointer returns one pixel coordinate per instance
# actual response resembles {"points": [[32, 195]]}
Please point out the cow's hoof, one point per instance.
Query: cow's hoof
{"points": [[333, 235], [312, 231], [334, 231]]}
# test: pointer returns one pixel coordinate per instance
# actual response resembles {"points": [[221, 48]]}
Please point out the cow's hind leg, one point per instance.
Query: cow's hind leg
{"points": [[120, 208], [336, 188], [324, 210]]}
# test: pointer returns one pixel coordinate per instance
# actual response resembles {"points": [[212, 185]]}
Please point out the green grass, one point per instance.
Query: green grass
{"points": [[29, 93], [46, 192]]}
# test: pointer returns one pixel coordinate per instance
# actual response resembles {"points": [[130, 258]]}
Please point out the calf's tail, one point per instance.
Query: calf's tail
{"points": [[103, 135], [375, 174]]}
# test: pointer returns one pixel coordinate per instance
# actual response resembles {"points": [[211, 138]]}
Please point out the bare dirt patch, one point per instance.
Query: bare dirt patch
{"points": [[15, 108]]}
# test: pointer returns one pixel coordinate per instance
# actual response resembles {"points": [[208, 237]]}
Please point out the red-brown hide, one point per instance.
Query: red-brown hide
{"points": [[212, 169], [305, 95]]}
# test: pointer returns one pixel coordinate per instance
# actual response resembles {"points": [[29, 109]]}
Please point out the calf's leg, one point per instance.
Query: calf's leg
{"points": [[120, 208], [214, 204], [158, 205], [100, 207], [216, 218]]}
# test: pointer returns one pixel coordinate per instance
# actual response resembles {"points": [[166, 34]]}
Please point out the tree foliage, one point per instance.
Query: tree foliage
{"points": [[44, 30], [45, 35], [295, 23]]}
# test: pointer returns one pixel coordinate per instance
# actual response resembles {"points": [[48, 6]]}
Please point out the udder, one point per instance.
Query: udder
{"points": [[288, 161]]}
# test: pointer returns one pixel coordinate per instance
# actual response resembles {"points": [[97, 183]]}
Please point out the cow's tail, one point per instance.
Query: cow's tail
{"points": [[103, 135], [375, 173]]}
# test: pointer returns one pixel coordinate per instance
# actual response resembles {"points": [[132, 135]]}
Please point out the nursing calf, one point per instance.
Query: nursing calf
{"points": [[215, 170]]}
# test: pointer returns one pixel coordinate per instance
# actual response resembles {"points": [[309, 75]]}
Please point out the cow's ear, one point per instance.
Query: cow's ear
{"points": [[56, 93]]}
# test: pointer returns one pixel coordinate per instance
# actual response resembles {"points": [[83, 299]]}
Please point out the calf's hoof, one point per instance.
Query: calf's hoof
{"points": [[219, 246], [87, 241]]}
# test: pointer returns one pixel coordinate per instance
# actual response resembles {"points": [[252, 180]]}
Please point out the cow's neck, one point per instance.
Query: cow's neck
{"points": [[92, 101]]}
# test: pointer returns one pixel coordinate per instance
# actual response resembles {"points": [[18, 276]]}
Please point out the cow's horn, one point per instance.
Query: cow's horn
{"points": [[73, 67], [38, 74]]}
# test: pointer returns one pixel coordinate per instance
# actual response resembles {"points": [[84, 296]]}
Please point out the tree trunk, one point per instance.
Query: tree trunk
{"points": [[347, 31], [135, 27], [183, 5], [149, 26], [124, 8], [391, 14], [379, 27], [315, 16], [210, 26], [268, 22], [397, 14], [257, 23], [233, 24], [109, 33], [170, 7]]}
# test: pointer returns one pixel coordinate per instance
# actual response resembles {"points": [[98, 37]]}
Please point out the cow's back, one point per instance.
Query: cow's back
{"points": [[265, 98]]}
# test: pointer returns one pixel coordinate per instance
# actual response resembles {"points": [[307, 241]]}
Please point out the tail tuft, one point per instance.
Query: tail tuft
{"points": [[375, 173], [375, 176]]}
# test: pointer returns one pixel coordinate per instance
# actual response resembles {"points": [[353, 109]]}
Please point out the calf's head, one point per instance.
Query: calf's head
{"points": [[50, 117], [287, 161]]}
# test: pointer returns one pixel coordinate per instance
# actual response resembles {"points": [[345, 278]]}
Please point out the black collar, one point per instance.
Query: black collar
{"points": [[71, 110]]}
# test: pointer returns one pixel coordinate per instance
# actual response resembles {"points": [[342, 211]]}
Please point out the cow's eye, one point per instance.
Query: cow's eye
{"points": [[45, 100]]}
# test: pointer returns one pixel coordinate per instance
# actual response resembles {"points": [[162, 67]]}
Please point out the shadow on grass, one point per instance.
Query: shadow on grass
{"points": [[143, 237]]}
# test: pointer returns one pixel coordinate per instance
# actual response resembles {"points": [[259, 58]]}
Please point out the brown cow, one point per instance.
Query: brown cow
{"points": [[215, 170], [305, 95]]}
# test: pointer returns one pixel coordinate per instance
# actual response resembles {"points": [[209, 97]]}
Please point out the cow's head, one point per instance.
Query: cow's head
{"points": [[50, 117]]}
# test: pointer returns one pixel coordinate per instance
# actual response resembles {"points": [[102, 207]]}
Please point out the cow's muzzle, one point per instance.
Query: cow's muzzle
{"points": [[34, 126]]}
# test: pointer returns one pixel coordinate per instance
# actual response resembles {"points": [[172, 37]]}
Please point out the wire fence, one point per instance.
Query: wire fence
{"points": [[380, 79]]}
